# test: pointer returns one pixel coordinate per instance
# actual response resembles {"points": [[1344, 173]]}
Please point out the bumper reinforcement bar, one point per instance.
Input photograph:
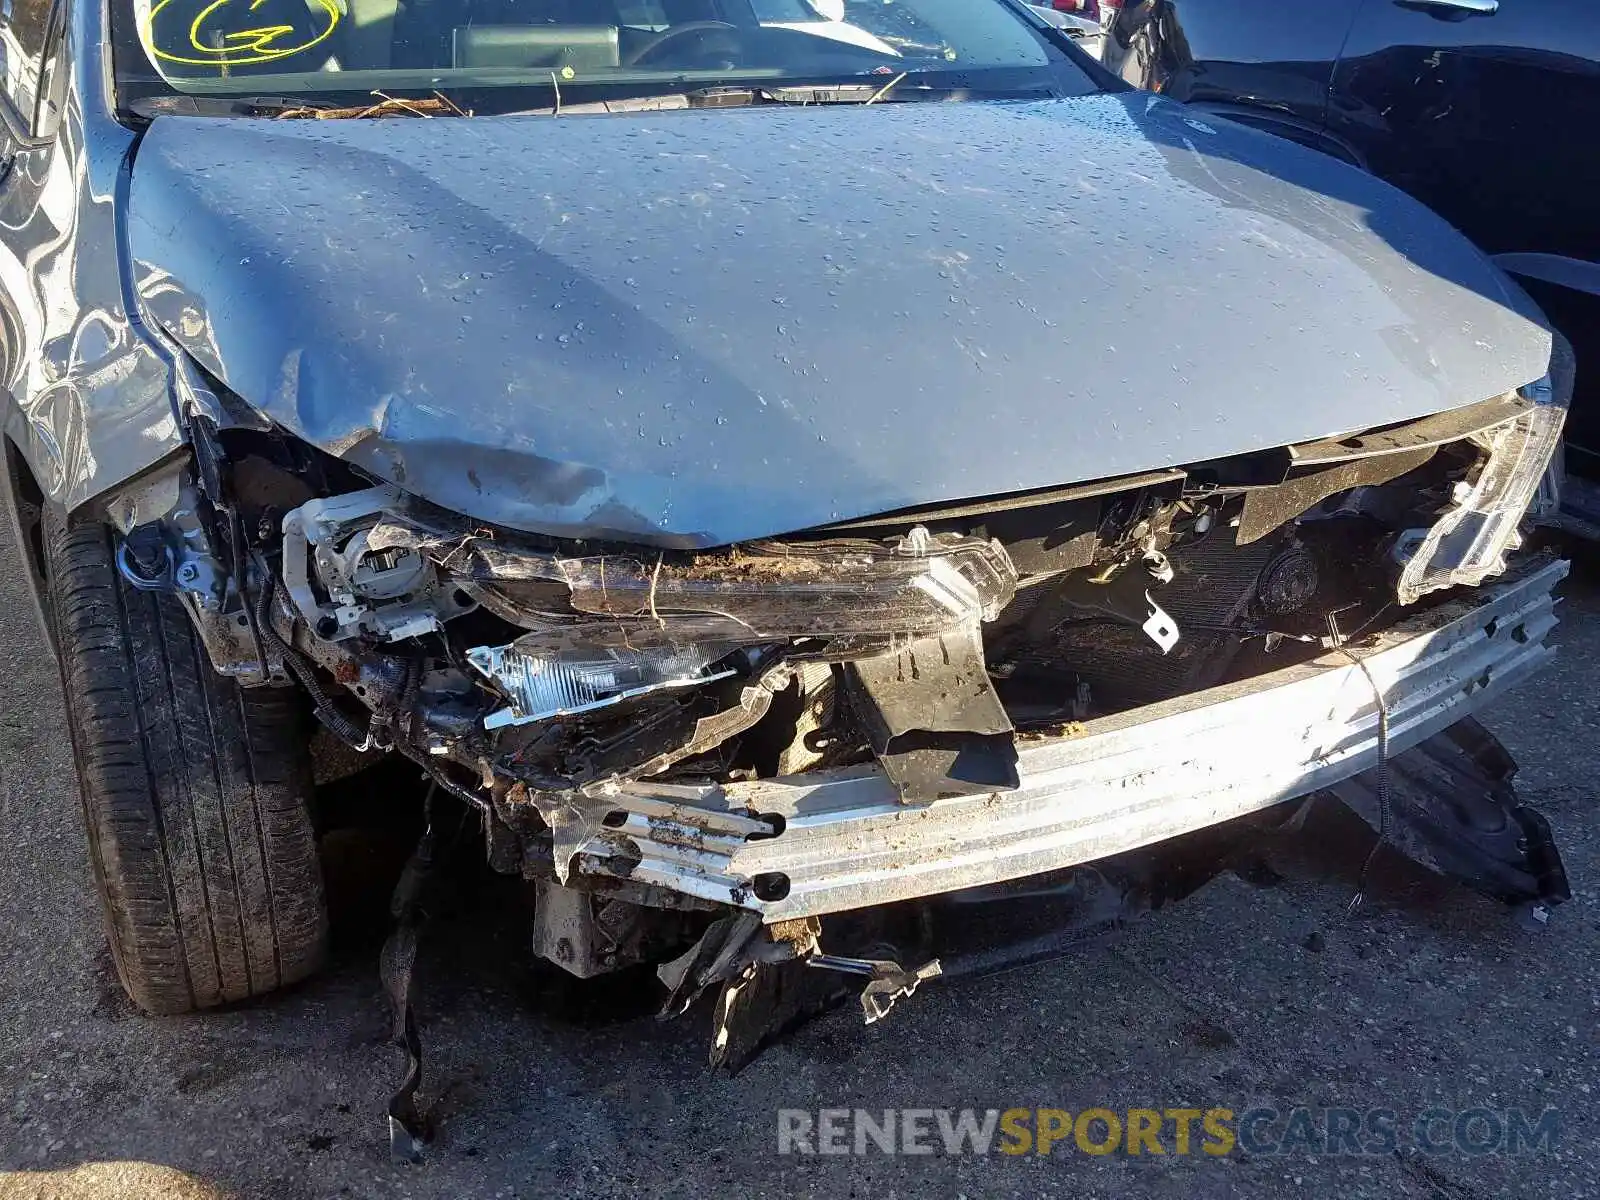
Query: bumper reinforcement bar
{"points": [[846, 841]]}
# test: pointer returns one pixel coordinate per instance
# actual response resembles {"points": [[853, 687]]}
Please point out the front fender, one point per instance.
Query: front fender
{"points": [[85, 395]]}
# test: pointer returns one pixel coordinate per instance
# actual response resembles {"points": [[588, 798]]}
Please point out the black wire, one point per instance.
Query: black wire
{"points": [[1385, 807], [342, 726]]}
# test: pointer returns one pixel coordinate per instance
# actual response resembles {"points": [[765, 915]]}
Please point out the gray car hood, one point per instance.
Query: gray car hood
{"points": [[698, 327]]}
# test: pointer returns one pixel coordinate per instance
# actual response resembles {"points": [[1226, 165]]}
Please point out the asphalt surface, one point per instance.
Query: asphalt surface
{"points": [[1241, 996]]}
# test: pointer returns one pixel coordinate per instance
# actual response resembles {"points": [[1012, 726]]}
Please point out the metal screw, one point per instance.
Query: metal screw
{"points": [[188, 573]]}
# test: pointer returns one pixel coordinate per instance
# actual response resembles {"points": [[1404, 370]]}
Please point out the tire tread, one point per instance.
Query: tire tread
{"points": [[195, 793]]}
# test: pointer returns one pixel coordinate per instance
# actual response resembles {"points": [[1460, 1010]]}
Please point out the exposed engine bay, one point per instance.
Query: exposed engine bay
{"points": [[544, 682]]}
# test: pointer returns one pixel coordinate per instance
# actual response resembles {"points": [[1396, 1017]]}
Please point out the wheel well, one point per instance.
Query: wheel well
{"points": [[25, 502], [27, 506]]}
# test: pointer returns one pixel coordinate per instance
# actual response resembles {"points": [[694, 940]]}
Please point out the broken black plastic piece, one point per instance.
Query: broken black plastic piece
{"points": [[934, 720], [408, 1126], [1455, 811]]}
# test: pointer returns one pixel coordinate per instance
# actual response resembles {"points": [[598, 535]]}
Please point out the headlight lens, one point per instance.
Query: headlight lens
{"points": [[1470, 542], [926, 585]]}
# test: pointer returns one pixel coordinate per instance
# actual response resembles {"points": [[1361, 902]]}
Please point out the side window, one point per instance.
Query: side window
{"points": [[23, 28]]}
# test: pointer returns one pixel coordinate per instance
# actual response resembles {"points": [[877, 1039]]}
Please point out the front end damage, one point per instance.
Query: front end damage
{"points": [[778, 767]]}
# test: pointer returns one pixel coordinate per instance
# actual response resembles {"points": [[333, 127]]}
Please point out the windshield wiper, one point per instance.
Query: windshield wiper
{"points": [[799, 94], [166, 105]]}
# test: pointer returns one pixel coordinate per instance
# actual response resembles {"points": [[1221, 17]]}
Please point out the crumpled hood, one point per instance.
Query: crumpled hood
{"points": [[699, 327]]}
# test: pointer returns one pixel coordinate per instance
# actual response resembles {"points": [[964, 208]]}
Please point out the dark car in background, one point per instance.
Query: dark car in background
{"points": [[1488, 111]]}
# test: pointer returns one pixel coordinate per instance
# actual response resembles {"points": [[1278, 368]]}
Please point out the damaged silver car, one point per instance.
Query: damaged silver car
{"points": [[694, 437]]}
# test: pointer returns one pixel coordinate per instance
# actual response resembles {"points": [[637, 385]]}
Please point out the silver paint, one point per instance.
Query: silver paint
{"points": [[83, 393]]}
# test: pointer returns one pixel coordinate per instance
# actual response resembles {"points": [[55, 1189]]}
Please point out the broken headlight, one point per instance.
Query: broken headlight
{"points": [[1471, 540], [598, 630], [385, 592], [862, 592], [639, 626]]}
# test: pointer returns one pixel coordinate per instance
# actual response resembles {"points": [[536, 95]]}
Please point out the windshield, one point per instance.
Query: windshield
{"points": [[578, 49]]}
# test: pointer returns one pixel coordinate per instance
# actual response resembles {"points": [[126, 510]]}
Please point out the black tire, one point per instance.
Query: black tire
{"points": [[195, 793]]}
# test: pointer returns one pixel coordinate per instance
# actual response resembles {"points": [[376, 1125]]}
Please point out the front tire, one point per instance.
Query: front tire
{"points": [[195, 792]]}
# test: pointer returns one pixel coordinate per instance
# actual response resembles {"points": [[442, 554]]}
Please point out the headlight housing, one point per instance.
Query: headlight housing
{"points": [[639, 626], [867, 594], [1470, 542]]}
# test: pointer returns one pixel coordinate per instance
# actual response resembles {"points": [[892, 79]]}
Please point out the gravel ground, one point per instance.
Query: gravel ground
{"points": [[1240, 996]]}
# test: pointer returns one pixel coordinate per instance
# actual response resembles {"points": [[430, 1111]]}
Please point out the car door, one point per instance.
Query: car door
{"points": [[1268, 57], [1489, 112], [1486, 110]]}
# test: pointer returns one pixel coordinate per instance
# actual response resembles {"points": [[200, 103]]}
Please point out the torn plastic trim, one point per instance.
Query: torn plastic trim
{"points": [[888, 980], [1455, 811], [574, 819], [934, 719], [1430, 432], [1470, 541], [730, 946], [576, 816], [1125, 781], [753, 703]]}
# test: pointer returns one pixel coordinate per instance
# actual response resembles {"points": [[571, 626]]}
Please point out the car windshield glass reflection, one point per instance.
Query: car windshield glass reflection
{"points": [[236, 45]]}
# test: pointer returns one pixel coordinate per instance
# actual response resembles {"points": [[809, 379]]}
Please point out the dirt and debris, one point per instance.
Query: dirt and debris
{"points": [[1053, 731], [771, 563], [437, 105]]}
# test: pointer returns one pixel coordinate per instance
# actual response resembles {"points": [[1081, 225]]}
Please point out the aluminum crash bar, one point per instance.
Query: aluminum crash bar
{"points": [[846, 841]]}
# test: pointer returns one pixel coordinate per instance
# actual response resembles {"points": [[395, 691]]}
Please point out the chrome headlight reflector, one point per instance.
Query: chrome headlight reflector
{"points": [[540, 688]]}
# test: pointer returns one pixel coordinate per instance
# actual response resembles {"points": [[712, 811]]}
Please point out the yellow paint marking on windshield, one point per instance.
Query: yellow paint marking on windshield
{"points": [[239, 47], [258, 39]]}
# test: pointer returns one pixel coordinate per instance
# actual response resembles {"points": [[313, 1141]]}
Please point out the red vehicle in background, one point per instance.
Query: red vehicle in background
{"points": [[1085, 20]]}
